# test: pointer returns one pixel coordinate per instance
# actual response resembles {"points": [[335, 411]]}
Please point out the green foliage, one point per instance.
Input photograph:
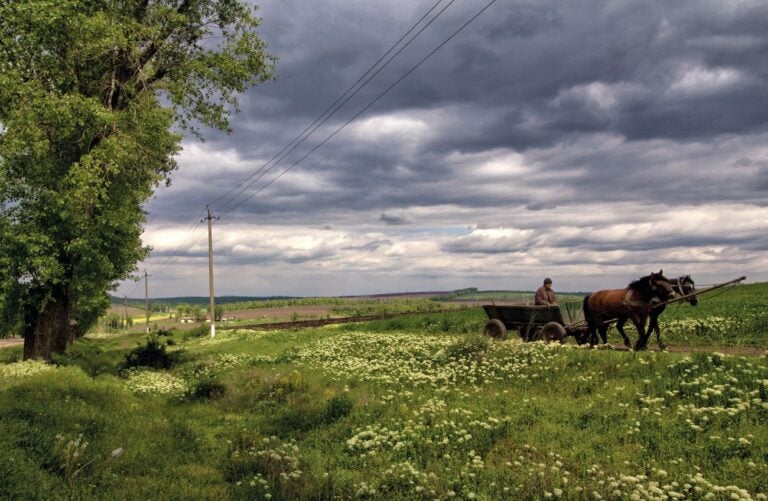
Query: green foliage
{"points": [[154, 353], [399, 413], [10, 355], [472, 345], [197, 332], [114, 321], [455, 322], [209, 388], [337, 407], [89, 94], [91, 356], [342, 305]]}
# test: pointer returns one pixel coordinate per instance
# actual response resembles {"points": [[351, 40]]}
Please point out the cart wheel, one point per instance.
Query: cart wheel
{"points": [[496, 329], [552, 331]]}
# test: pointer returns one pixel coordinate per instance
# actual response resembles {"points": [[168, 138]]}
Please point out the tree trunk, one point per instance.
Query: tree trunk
{"points": [[50, 331]]}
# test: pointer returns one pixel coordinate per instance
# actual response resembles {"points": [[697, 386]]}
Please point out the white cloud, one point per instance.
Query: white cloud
{"points": [[698, 80]]}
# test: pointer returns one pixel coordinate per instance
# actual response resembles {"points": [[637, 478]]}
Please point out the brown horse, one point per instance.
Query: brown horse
{"points": [[683, 286], [634, 303]]}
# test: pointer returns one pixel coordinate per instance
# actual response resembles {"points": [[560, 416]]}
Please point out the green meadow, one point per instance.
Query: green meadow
{"points": [[420, 407]]}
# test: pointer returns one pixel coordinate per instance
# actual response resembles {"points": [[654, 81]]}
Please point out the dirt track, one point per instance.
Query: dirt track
{"points": [[7, 343]]}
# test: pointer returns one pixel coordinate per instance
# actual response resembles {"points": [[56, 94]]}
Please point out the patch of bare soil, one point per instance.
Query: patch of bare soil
{"points": [[7, 343], [752, 351], [285, 312]]}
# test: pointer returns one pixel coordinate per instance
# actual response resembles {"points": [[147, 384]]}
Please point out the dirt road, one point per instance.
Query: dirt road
{"points": [[7, 343]]}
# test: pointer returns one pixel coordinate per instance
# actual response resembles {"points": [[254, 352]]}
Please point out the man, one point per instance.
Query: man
{"points": [[545, 295]]}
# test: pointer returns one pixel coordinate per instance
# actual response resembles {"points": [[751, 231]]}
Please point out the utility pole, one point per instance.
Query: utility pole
{"points": [[125, 306], [211, 306], [146, 296]]}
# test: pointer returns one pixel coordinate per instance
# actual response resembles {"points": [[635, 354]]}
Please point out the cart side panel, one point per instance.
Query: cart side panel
{"points": [[515, 315]]}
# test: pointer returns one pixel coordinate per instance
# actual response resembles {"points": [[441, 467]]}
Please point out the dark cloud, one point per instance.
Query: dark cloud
{"points": [[370, 246], [536, 108], [392, 219]]}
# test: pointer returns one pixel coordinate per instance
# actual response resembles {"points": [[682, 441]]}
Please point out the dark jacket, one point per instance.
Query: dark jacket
{"points": [[545, 296]]}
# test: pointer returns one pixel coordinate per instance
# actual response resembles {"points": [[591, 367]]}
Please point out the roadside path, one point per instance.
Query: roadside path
{"points": [[7, 343]]}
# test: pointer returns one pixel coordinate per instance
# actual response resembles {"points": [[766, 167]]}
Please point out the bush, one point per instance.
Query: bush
{"points": [[90, 356], [152, 354], [164, 333], [209, 389], [337, 407], [199, 331]]}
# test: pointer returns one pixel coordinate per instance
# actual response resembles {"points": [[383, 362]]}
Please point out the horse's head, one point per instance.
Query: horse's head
{"points": [[686, 287], [654, 287], [661, 286]]}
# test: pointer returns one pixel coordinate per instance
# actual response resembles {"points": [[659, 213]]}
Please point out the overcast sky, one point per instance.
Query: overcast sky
{"points": [[590, 141]]}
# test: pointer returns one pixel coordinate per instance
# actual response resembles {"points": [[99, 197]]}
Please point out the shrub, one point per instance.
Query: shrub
{"points": [[91, 356], [152, 354], [209, 389], [199, 331], [337, 407], [164, 333]]}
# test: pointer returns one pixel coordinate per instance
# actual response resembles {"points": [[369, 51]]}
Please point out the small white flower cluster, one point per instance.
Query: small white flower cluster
{"points": [[275, 462], [726, 390], [71, 454], [712, 326], [405, 478], [144, 381], [226, 336], [399, 359], [260, 484], [214, 365], [23, 369], [428, 429], [655, 486]]}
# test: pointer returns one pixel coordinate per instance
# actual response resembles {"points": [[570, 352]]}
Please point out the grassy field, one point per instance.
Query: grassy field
{"points": [[408, 408]]}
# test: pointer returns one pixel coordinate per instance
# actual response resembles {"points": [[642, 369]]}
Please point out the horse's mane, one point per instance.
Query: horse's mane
{"points": [[643, 285]]}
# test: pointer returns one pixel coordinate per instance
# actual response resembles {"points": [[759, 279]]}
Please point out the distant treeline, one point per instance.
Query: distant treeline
{"points": [[170, 303]]}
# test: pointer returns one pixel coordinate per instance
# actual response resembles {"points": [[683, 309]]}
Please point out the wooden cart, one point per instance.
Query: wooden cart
{"points": [[533, 323]]}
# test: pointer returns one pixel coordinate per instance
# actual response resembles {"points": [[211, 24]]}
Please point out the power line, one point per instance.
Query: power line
{"points": [[333, 108], [322, 118], [366, 108], [174, 255]]}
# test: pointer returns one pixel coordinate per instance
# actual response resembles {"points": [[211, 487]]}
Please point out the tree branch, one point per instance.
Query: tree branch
{"points": [[150, 51]]}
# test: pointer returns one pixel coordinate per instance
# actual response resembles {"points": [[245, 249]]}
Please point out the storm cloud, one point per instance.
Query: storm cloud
{"points": [[589, 141]]}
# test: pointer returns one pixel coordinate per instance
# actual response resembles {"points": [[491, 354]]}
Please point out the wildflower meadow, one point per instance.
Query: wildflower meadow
{"points": [[423, 408]]}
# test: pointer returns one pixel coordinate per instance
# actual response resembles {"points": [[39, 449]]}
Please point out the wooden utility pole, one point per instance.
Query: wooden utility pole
{"points": [[125, 307], [146, 296], [211, 311]]}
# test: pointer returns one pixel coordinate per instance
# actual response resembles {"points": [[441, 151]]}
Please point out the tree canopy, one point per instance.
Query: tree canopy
{"points": [[94, 96]]}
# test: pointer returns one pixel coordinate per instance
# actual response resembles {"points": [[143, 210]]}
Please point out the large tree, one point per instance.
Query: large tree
{"points": [[93, 97]]}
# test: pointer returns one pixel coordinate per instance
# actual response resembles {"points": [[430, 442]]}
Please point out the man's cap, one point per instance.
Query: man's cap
{"points": [[547, 280]]}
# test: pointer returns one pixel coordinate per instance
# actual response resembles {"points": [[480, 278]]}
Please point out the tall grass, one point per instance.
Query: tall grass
{"points": [[416, 407]]}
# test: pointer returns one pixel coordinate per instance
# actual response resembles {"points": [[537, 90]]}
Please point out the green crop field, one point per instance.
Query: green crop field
{"points": [[420, 407]]}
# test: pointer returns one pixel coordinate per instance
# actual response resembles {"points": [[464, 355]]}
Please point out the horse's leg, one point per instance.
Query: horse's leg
{"points": [[642, 339], [652, 324], [620, 328], [603, 331], [593, 330]]}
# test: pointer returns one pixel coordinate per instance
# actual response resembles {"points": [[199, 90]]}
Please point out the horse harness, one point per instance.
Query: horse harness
{"points": [[628, 301]]}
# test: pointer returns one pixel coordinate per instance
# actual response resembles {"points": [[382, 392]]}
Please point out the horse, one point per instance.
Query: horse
{"points": [[686, 288], [634, 302]]}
